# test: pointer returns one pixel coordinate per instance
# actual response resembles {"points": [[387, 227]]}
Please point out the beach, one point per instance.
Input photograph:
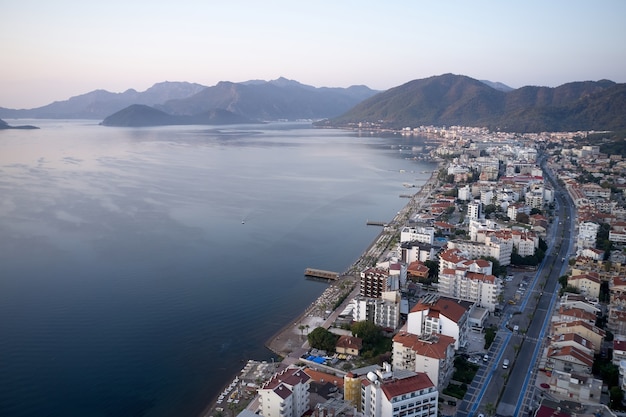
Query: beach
{"points": [[290, 342]]}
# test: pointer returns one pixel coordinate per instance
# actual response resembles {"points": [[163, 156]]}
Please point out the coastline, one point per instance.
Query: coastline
{"points": [[289, 343]]}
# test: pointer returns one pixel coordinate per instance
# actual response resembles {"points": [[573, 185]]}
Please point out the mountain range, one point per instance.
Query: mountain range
{"points": [[441, 100], [253, 100], [450, 99]]}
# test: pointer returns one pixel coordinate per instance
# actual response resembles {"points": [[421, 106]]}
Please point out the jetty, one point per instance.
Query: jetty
{"points": [[373, 223], [321, 274]]}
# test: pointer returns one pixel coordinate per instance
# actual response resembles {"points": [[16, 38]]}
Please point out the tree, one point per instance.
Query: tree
{"points": [[320, 338], [522, 218], [433, 268], [367, 331], [616, 395]]}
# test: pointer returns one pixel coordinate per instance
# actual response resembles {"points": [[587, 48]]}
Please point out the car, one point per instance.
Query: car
{"points": [[516, 328], [486, 358], [505, 364]]}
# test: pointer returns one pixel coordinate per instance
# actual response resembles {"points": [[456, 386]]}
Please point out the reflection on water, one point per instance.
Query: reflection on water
{"points": [[130, 285]]}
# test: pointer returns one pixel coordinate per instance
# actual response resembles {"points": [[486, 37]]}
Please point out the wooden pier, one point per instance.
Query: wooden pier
{"points": [[321, 274], [373, 223]]}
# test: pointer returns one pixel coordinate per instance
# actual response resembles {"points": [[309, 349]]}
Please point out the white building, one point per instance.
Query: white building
{"points": [[383, 311], [495, 248], [439, 315], [397, 394], [433, 354], [474, 210], [286, 394], [422, 234], [587, 234], [481, 289], [465, 193]]}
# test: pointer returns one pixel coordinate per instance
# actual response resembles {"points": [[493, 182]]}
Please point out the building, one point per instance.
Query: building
{"points": [[474, 210], [434, 314], [349, 345], [582, 328], [383, 311], [433, 354], [588, 284], [286, 394], [483, 290], [375, 281], [400, 393], [422, 234]]}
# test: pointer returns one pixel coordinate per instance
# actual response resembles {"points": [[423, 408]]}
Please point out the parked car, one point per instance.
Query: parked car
{"points": [[505, 363]]}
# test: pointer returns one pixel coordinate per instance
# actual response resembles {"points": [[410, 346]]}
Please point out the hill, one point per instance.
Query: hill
{"points": [[450, 99], [271, 100], [98, 104], [4, 125], [260, 100], [139, 115]]}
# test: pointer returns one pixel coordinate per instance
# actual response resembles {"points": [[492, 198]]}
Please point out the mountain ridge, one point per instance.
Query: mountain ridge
{"points": [[451, 99]]}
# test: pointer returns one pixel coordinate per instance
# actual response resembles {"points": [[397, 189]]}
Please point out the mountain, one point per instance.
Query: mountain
{"points": [[4, 125], [459, 100], [498, 85], [100, 103], [140, 115], [255, 99], [271, 100]]}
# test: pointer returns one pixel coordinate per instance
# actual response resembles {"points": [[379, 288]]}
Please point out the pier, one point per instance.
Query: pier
{"points": [[321, 274], [373, 223]]}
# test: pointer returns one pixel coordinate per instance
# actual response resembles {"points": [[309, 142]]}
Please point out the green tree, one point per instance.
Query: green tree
{"points": [[320, 338], [367, 331], [433, 268]]}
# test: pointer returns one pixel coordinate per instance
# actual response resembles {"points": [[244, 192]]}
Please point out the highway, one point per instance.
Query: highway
{"points": [[512, 391]]}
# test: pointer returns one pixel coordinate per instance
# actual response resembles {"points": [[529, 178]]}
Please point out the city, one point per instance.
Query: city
{"points": [[498, 288]]}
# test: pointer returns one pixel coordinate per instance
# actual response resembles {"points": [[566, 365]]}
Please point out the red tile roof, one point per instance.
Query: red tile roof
{"points": [[408, 385]]}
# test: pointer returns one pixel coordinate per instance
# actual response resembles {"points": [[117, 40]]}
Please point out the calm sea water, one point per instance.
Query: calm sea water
{"points": [[129, 285]]}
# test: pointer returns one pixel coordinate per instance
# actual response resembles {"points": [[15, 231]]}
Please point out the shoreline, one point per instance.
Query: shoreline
{"points": [[287, 343]]}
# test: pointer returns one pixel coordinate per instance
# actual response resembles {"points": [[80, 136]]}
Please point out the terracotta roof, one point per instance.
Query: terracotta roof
{"points": [[349, 342], [481, 277], [290, 376], [619, 345], [435, 347], [581, 323], [398, 387], [282, 391], [447, 307], [577, 354], [589, 277], [573, 337], [318, 376], [577, 313]]}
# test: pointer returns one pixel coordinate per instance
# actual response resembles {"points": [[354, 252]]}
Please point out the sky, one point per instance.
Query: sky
{"points": [[53, 50]]}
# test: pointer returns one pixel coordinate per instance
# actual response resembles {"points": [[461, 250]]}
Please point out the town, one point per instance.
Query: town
{"points": [[499, 290]]}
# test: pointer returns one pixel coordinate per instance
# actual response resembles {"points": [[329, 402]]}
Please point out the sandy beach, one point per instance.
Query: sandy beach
{"points": [[290, 342]]}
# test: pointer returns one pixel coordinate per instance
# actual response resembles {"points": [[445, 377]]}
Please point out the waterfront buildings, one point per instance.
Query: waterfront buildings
{"points": [[286, 394], [398, 393]]}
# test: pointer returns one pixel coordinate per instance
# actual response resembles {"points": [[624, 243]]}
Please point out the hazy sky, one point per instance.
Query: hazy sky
{"points": [[52, 50]]}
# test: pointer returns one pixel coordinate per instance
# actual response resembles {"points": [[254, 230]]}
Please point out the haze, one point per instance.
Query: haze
{"points": [[54, 50]]}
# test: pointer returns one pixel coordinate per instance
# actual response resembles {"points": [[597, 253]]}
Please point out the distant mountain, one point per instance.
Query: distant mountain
{"points": [[450, 99], [139, 115], [256, 100], [4, 125], [498, 85], [271, 100], [100, 103]]}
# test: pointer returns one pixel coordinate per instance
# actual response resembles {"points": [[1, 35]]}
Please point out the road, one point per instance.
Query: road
{"points": [[512, 391]]}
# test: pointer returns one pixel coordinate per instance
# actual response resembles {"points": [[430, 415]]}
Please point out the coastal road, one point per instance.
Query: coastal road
{"points": [[511, 391]]}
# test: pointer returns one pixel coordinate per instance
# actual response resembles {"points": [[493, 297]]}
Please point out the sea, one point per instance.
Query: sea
{"points": [[140, 268]]}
